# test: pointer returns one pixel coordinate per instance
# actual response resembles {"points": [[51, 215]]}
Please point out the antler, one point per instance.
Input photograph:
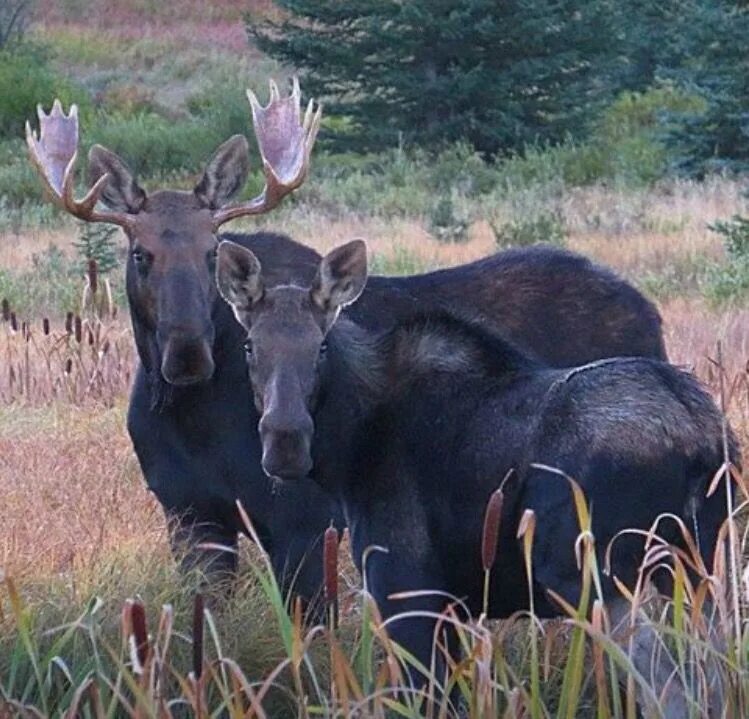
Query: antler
{"points": [[53, 153], [285, 147]]}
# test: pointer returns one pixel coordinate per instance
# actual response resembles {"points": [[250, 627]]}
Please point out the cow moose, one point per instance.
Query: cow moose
{"points": [[195, 438], [412, 429]]}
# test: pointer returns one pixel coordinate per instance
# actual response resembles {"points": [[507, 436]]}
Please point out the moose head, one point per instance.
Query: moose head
{"points": [[172, 235], [286, 329]]}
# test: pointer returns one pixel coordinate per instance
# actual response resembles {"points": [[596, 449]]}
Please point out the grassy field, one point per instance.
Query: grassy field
{"points": [[80, 537]]}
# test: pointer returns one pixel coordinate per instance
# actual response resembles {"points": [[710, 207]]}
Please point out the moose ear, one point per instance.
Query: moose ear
{"points": [[238, 275], [225, 174], [121, 193], [341, 276]]}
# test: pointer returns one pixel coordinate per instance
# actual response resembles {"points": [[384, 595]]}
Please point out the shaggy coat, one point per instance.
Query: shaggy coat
{"points": [[198, 445], [438, 411]]}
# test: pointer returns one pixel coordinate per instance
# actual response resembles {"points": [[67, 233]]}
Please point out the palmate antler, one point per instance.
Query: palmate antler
{"points": [[284, 139], [285, 146], [53, 152]]}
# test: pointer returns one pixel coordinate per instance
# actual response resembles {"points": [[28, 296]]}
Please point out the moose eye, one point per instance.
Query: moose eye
{"points": [[247, 344], [323, 349], [138, 256]]}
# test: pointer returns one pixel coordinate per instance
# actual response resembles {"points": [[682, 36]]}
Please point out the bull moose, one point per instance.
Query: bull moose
{"points": [[195, 438], [412, 429]]}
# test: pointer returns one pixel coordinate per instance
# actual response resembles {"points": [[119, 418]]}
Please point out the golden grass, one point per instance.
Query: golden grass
{"points": [[77, 519]]}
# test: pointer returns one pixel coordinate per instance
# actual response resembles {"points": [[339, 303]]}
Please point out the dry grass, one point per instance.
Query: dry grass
{"points": [[78, 521]]}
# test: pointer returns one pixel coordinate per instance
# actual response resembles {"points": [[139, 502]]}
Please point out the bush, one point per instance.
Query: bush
{"points": [[26, 80], [546, 227], [153, 145], [447, 222], [19, 183], [631, 133], [728, 282]]}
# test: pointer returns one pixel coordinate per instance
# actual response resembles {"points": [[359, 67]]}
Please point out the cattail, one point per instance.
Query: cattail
{"points": [[489, 539], [91, 338], [78, 328], [45, 325], [490, 536], [105, 347], [69, 323], [68, 366], [140, 632], [13, 322], [330, 570], [330, 563], [93, 275], [197, 636], [6, 309], [24, 330]]}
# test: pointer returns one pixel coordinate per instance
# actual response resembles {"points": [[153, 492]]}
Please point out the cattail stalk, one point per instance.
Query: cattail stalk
{"points": [[93, 276], [330, 566], [490, 538], [198, 616]]}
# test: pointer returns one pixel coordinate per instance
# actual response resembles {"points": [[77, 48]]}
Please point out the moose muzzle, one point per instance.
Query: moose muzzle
{"points": [[186, 359], [286, 446]]}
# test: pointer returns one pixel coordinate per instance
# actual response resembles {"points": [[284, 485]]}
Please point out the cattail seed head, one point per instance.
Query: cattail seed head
{"points": [[69, 323], [91, 338], [490, 536], [45, 325], [93, 275], [6, 309], [198, 614], [68, 366], [78, 324], [140, 631], [330, 564], [13, 322]]}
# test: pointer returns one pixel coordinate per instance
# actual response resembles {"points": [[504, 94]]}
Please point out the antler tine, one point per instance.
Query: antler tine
{"points": [[53, 152], [285, 142]]}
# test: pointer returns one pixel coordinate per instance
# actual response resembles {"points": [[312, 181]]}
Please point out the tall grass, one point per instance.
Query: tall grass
{"points": [[160, 659]]}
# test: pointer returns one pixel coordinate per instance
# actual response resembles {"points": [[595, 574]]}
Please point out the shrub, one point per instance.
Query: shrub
{"points": [[545, 227], [730, 281], [19, 183], [447, 222], [26, 80], [631, 132], [154, 145]]}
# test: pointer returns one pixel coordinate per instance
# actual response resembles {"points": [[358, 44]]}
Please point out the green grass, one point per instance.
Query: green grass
{"points": [[74, 647]]}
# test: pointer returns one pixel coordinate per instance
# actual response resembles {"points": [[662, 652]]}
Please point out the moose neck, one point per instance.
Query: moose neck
{"points": [[353, 382], [364, 372]]}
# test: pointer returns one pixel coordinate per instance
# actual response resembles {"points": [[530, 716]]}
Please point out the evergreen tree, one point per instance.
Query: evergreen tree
{"points": [[716, 67], [498, 74]]}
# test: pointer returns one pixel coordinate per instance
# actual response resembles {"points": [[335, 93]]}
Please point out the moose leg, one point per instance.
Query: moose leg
{"points": [[415, 622], [652, 660], [298, 566], [301, 514], [204, 547]]}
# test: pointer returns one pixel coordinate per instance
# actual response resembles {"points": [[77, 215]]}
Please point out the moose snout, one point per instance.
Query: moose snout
{"points": [[286, 447], [187, 359]]}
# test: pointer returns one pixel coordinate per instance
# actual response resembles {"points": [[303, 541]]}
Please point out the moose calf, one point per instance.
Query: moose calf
{"points": [[414, 428]]}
